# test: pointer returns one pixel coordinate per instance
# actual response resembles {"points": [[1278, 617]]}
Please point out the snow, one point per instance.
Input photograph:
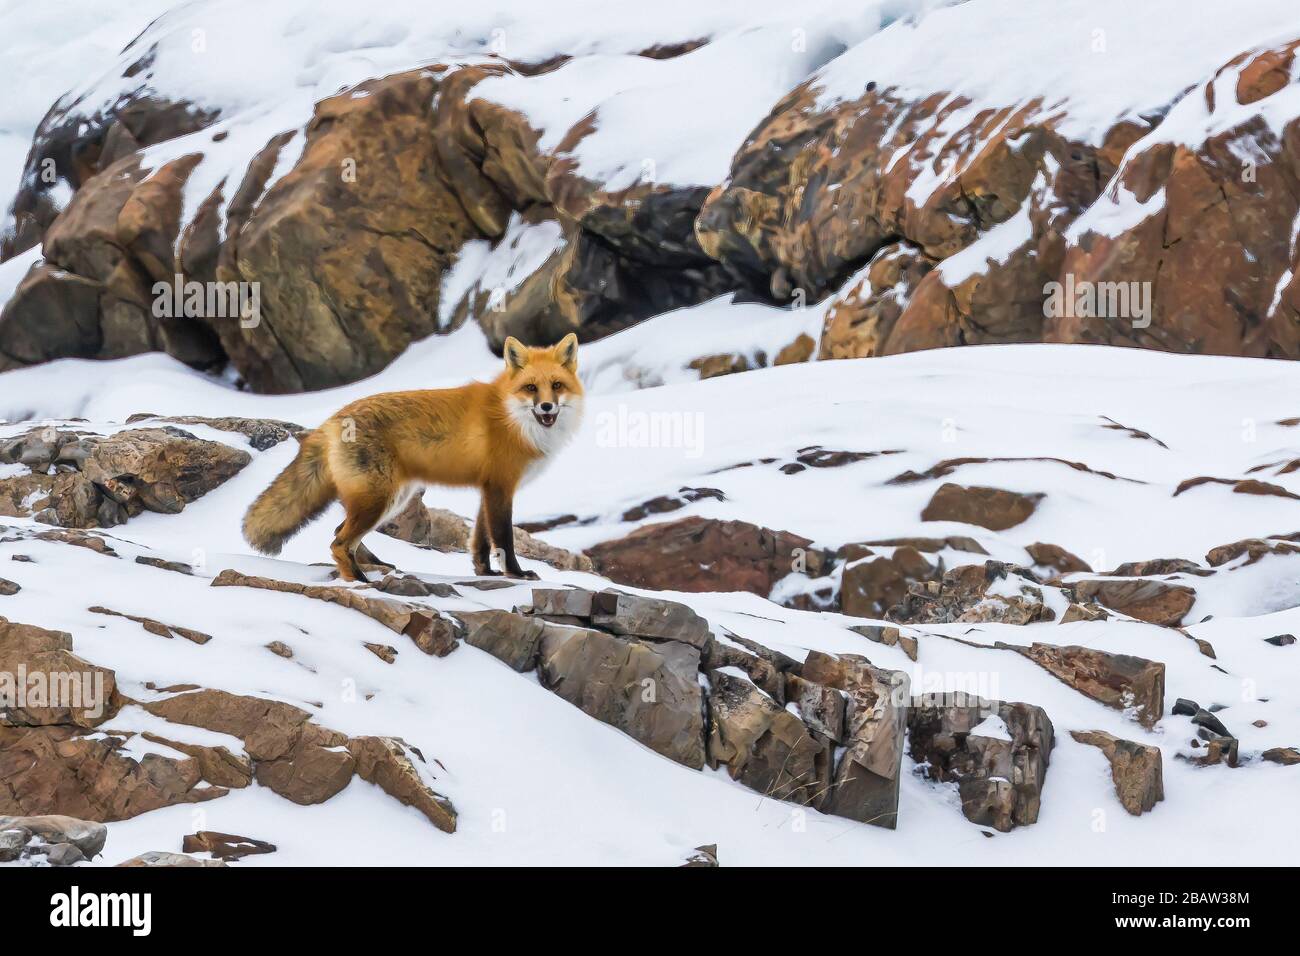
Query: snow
{"points": [[43, 55], [1092, 61], [535, 780], [992, 727]]}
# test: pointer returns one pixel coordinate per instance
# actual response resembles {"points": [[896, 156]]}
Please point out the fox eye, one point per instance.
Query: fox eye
{"points": [[557, 386], [530, 387]]}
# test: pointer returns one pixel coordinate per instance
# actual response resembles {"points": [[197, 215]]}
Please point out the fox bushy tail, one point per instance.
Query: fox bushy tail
{"points": [[298, 494]]}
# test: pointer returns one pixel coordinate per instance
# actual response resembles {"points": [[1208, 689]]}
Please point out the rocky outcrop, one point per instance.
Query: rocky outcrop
{"points": [[702, 554], [932, 219], [865, 781], [973, 594], [996, 752], [82, 480], [1122, 681], [649, 691], [763, 745], [432, 632], [870, 586], [60, 840], [412, 167], [1135, 768]]}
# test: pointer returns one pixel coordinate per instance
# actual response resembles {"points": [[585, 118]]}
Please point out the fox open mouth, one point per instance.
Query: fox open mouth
{"points": [[545, 419]]}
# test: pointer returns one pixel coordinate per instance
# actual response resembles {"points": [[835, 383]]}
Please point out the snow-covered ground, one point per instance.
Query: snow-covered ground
{"points": [[537, 781]]}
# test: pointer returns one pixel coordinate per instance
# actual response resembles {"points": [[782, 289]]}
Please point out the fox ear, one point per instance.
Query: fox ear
{"points": [[515, 353], [566, 353]]}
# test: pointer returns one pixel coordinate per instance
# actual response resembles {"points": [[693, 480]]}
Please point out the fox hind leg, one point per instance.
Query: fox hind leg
{"points": [[364, 512]]}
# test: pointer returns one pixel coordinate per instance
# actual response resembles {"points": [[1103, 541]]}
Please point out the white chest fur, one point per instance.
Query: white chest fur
{"points": [[547, 441]]}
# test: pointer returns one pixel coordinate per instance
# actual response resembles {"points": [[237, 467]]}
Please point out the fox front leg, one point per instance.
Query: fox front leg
{"points": [[480, 542], [498, 504]]}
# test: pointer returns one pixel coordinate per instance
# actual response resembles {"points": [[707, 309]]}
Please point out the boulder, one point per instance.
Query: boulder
{"points": [[1131, 684], [866, 778], [105, 480], [1156, 602], [50, 830], [400, 771], [701, 554], [992, 508], [42, 683], [762, 744], [224, 846], [1135, 768], [996, 752], [513, 639], [637, 616], [869, 587], [651, 692]]}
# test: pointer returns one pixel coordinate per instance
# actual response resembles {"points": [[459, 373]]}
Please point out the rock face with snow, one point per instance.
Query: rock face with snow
{"points": [[919, 204], [82, 480], [996, 752]]}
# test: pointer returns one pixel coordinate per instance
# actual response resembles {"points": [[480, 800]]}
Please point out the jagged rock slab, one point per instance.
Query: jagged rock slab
{"points": [[866, 778], [433, 633], [763, 745], [1156, 602], [996, 752], [1121, 681], [1135, 768], [648, 691]]}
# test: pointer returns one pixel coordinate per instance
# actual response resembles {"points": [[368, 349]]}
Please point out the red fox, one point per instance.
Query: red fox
{"points": [[376, 453]]}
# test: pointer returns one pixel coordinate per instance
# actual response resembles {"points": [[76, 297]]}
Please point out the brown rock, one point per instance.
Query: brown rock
{"points": [[1120, 681], [650, 692], [869, 588], [1155, 602], [217, 765], [996, 752], [1135, 768], [963, 595], [1286, 756], [991, 508], [53, 770], [764, 746], [1056, 558], [866, 777], [224, 846], [386, 762], [889, 636], [157, 627], [42, 683], [701, 554]]}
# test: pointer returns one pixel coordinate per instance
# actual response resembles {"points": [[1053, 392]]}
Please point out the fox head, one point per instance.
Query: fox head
{"points": [[541, 388]]}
